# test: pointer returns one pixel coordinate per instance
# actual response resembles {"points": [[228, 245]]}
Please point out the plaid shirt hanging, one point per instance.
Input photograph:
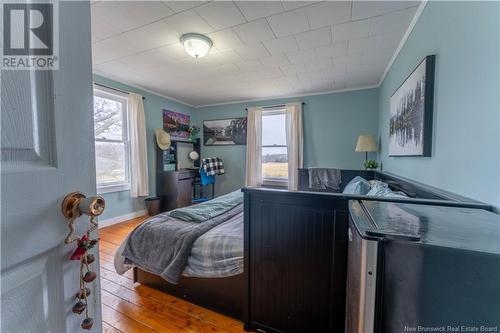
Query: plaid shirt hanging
{"points": [[212, 166]]}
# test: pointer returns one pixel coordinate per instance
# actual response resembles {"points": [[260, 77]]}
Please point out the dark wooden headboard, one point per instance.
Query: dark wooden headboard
{"points": [[412, 188]]}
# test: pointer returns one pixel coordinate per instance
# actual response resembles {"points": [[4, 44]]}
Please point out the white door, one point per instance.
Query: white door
{"points": [[47, 150]]}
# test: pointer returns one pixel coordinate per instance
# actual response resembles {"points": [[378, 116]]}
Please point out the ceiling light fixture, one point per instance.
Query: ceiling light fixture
{"points": [[196, 45]]}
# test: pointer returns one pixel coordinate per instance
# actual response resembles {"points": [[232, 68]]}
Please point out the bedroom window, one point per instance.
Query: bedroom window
{"points": [[112, 146], [274, 151]]}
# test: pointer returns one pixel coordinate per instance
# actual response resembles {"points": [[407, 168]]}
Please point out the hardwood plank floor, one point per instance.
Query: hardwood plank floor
{"points": [[129, 307]]}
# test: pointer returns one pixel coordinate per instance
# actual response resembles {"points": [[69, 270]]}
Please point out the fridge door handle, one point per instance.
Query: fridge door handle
{"points": [[391, 234]]}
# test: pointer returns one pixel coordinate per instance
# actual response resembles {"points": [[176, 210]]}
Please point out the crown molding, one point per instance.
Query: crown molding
{"points": [[413, 22], [289, 96], [133, 85]]}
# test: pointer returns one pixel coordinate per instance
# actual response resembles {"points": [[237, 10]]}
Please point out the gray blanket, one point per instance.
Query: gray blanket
{"points": [[323, 178], [163, 244], [209, 209]]}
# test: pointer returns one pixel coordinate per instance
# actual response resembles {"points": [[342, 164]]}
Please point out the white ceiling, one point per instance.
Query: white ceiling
{"points": [[262, 49]]}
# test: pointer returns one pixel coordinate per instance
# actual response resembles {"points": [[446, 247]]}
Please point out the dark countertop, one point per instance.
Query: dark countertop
{"points": [[453, 227]]}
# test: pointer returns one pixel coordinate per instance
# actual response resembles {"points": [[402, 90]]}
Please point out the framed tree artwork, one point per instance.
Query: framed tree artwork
{"points": [[225, 132], [410, 128]]}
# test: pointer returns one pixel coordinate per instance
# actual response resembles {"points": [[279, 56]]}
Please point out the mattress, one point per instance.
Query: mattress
{"points": [[215, 254]]}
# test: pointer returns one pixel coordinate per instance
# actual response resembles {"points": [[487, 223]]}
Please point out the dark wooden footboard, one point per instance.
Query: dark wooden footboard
{"points": [[295, 255], [295, 261], [224, 295]]}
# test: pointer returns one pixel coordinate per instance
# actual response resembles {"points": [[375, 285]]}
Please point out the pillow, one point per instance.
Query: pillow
{"points": [[358, 185], [381, 189]]}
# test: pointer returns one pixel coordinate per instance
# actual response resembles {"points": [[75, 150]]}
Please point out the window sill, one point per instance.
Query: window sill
{"points": [[113, 188], [274, 183]]}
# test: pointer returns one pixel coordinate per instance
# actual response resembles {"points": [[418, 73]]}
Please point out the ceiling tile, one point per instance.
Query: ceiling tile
{"points": [[188, 21], [152, 36], [314, 38], [225, 39], [113, 48], [114, 66], [179, 6], [352, 30], [365, 9], [228, 69], [220, 14], [275, 60], [328, 13], [143, 12], [289, 23], [348, 61], [363, 45], [102, 29], [320, 65], [293, 69], [111, 13], [150, 54], [254, 31], [252, 51], [289, 5], [332, 50], [257, 9], [226, 56], [379, 42], [281, 45], [249, 66], [393, 22], [301, 56], [270, 73]]}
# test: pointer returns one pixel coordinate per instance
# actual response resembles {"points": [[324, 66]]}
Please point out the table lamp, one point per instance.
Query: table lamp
{"points": [[366, 144]]}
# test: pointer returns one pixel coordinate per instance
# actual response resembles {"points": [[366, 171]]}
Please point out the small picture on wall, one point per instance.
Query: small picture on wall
{"points": [[176, 124], [225, 132], [410, 128]]}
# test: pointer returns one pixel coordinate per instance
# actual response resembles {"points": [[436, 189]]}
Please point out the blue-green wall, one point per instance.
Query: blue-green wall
{"points": [[120, 203], [466, 130], [465, 36], [332, 123]]}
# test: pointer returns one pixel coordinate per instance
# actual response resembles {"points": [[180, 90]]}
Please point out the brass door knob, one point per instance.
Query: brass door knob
{"points": [[76, 204]]}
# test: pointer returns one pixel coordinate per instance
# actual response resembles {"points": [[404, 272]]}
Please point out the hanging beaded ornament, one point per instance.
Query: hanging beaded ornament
{"points": [[74, 205]]}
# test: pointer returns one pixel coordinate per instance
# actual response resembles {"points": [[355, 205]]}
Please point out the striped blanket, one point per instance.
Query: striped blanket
{"points": [[169, 247]]}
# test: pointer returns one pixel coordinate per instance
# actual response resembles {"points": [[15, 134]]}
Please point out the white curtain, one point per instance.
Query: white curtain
{"points": [[139, 185], [253, 176], [294, 142]]}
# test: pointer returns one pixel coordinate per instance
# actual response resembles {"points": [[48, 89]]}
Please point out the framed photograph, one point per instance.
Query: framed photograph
{"points": [[176, 124], [225, 132], [410, 128]]}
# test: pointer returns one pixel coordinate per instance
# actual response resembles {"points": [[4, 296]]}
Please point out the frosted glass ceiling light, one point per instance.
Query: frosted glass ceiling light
{"points": [[196, 45]]}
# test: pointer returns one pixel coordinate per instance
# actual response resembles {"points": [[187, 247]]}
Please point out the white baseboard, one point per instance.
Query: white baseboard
{"points": [[121, 218]]}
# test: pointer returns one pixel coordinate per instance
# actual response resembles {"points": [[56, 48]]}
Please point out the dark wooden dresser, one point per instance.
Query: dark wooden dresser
{"points": [[173, 185], [175, 188]]}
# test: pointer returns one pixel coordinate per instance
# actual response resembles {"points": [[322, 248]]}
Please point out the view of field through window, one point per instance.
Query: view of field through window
{"points": [[110, 147], [274, 153]]}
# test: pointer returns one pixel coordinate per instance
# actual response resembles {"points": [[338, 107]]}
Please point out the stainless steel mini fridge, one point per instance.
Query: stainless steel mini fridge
{"points": [[421, 268]]}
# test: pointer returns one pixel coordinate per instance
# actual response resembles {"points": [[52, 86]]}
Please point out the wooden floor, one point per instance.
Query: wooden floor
{"points": [[129, 307]]}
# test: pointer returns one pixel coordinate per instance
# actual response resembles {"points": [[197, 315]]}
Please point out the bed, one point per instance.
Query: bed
{"points": [[234, 266], [201, 262]]}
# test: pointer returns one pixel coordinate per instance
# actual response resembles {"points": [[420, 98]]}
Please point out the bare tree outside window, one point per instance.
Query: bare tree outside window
{"points": [[111, 141]]}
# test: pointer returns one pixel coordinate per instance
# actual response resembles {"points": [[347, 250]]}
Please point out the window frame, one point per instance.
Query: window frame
{"points": [[274, 181], [116, 96]]}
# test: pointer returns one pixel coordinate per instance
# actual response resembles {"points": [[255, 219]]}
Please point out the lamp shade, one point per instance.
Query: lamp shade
{"points": [[366, 143]]}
